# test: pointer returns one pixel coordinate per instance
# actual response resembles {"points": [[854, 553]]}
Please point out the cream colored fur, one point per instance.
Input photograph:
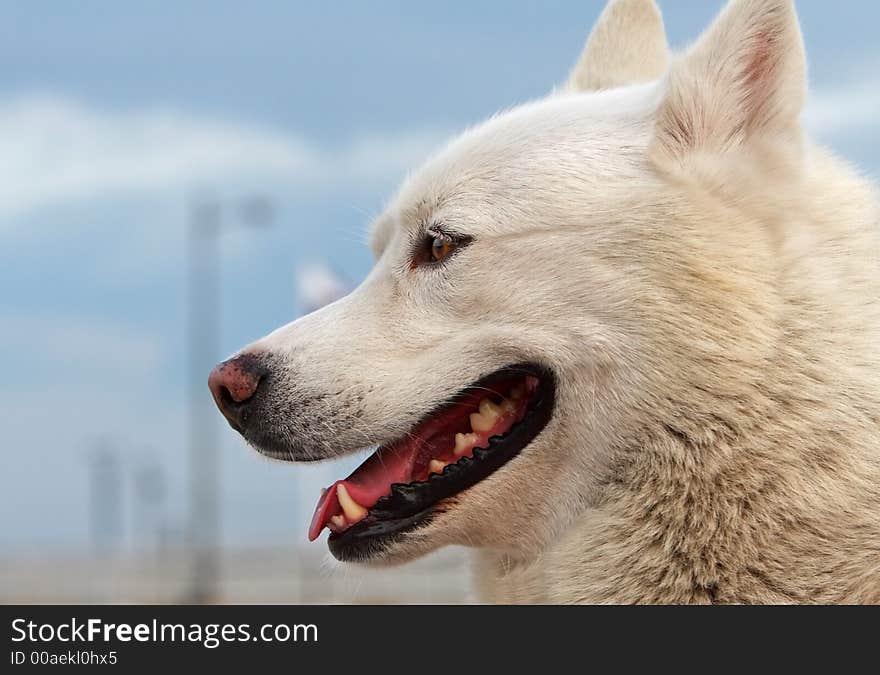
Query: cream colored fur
{"points": [[609, 61], [705, 284]]}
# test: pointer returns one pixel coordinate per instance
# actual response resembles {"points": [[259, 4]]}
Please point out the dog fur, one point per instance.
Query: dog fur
{"points": [[704, 282]]}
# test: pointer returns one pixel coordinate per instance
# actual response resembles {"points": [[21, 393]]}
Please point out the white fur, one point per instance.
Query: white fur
{"points": [[627, 46]]}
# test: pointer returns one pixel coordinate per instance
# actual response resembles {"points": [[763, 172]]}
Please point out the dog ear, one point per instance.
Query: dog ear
{"points": [[746, 76], [627, 46]]}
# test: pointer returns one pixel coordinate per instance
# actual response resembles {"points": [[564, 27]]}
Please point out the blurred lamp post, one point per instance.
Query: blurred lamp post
{"points": [[203, 248], [149, 495], [105, 497]]}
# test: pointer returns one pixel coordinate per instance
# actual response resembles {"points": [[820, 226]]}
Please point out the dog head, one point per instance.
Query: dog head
{"points": [[544, 290]]}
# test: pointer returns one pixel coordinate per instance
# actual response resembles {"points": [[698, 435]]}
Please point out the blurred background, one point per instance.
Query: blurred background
{"points": [[176, 180]]}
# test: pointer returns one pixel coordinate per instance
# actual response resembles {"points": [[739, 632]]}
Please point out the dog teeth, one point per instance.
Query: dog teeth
{"points": [[436, 466], [464, 443], [479, 423], [487, 408], [338, 521], [352, 510], [485, 419]]}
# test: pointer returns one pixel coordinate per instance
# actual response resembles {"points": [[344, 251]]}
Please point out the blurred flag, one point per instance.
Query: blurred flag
{"points": [[318, 285]]}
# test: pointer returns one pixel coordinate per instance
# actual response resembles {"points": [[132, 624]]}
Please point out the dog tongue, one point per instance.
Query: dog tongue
{"points": [[395, 463], [367, 484]]}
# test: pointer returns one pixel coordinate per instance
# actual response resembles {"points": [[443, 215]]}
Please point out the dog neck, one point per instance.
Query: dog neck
{"points": [[714, 518]]}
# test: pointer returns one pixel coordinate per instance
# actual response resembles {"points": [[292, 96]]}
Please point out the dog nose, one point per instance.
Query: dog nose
{"points": [[233, 384]]}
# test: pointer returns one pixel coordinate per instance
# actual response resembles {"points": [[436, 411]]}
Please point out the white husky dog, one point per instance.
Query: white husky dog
{"points": [[624, 341]]}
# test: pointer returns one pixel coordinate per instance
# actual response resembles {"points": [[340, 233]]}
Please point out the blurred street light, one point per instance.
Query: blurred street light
{"points": [[149, 496], [205, 226], [105, 497]]}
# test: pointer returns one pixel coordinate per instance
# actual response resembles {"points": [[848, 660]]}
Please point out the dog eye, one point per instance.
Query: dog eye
{"points": [[437, 246], [441, 246]]}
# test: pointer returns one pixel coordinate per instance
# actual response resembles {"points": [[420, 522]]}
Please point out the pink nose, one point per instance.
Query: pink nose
{"points": [[233, 383]]}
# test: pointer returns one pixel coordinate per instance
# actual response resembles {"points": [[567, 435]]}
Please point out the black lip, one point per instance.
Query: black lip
{"points": [[413, 504]]}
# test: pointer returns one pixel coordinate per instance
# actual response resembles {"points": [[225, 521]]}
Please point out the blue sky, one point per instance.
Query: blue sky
{"points": [[114, 114]]}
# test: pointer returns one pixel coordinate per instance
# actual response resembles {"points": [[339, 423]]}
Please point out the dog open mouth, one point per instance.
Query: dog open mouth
{"points": [[451, 449]]}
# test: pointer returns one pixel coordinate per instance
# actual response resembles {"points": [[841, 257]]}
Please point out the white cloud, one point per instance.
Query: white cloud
{"points": [[843, 110], [74, 342], [54, 150]]}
